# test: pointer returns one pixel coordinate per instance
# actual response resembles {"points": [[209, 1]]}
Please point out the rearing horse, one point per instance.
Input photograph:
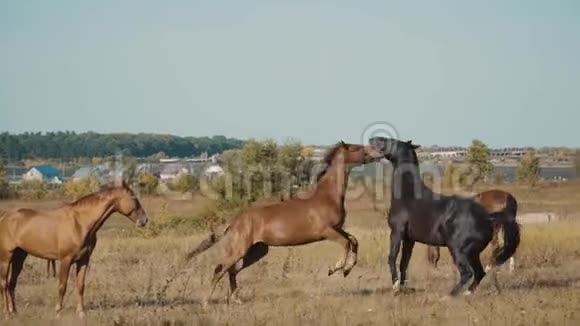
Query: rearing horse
{"points": [[294, 222], [417, 214], [66, 234]]}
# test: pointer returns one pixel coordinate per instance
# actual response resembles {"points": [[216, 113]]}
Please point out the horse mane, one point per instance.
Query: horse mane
{"points": [[328, 157], [92, 198]]}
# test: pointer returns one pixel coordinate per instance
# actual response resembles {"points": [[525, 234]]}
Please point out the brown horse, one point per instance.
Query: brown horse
{"points": [[494, 201], [66, 234], [294, 222]]}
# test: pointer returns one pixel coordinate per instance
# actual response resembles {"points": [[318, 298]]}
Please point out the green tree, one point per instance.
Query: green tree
{"points": [[148, 183], [258, 160], [289, 161], [528, 171], [259, 154], [186, 182], [4, 186], [478, 157], [290, 155], [449, 176]]}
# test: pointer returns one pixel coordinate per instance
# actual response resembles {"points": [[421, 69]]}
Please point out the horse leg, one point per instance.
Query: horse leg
{"points": [[82, 266], [494, 244], [50, 265], [343, 240], [4, 271], [236, 253], [512, 264], [254, 254], [352, 258], [478, 272], [433, 255], [465, 272], [396, 237], [405, 259], [62, 282], [18, 258]]}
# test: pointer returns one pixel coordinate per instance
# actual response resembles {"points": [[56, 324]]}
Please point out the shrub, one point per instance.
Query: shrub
{"points": [[32, 190], [148, 183], [186, 182], [478, 157], [528, 171], [78, 188]]}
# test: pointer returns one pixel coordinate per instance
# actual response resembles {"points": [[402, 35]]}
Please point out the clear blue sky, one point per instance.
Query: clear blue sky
{"points": [[441, 72]]}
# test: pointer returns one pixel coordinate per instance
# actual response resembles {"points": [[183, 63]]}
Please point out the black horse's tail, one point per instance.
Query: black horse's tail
{"points": [[207, 243], [511, 231]]}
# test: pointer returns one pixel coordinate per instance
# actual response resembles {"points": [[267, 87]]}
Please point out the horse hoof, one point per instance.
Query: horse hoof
{"points": [[467, 293], [82, 314], [346, 272], [330, 272], [487, 268], [397, 285]]}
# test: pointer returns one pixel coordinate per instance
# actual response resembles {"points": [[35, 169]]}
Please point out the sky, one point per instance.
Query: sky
{"points": [[437, 72]]}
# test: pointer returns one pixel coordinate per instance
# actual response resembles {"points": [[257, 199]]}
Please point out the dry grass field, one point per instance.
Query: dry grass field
{"points": [[128, 279]]}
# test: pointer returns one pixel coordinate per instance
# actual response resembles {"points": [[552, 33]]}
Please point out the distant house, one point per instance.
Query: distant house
{"points": [[171, 170], [87, 172], [46, 173], [213, 170], [153, 168]]}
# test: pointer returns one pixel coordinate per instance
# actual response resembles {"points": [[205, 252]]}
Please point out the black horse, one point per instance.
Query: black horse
{"points": [[417, 214]]}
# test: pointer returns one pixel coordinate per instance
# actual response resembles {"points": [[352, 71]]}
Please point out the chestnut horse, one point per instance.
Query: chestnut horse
{"points": [[294, 222], [494, 201], [66, 234]]}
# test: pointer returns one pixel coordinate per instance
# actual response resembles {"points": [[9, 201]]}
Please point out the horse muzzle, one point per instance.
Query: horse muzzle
{"points": [[141, 218]]}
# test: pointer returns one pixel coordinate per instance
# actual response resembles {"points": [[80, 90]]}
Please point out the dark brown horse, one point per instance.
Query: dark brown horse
{"points": [[66, 234], [495, 201], [294, 222]]}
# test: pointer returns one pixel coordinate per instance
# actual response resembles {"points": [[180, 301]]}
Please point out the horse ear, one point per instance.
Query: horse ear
{"points": [[342, 142], [409, 142]]}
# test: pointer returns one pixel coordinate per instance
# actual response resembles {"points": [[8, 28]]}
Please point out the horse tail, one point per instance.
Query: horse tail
{"points": [[511, 231], [207, 243]]}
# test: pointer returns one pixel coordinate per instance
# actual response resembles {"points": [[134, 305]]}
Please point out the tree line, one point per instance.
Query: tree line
{"points": [[68, 145]]}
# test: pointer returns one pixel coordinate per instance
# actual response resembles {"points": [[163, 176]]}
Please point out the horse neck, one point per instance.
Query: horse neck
{"points": [[406, 182], [91, 216], [334, 181]]}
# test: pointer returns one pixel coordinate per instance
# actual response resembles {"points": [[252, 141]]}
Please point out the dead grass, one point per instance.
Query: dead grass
{"points": [[128, 279]]}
